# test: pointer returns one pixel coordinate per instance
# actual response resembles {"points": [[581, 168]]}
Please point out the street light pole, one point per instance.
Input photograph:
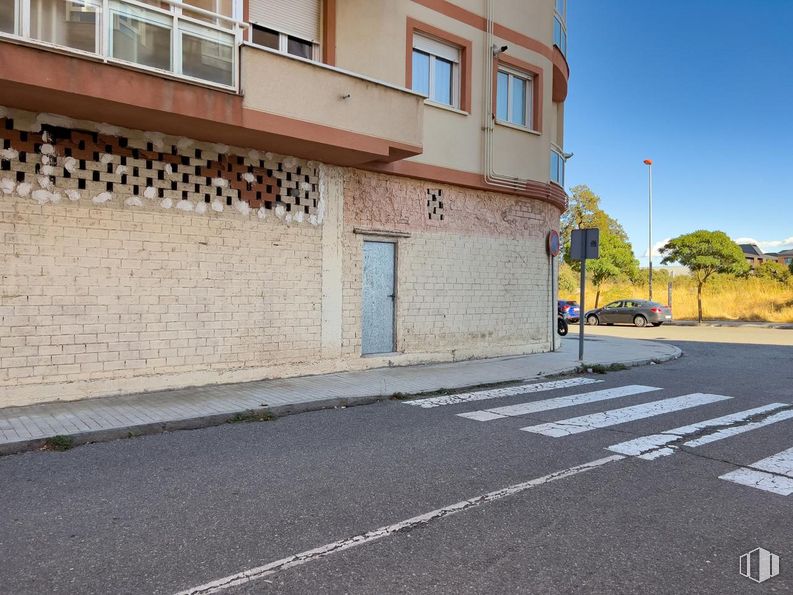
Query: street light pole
{"points": [[649, 164]]}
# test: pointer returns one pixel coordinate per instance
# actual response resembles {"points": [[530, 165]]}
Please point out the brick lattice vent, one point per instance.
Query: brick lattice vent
{"points": [[59, 162], [435, 204]]}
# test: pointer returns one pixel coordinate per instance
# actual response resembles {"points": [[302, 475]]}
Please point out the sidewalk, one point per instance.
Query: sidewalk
{"points": [[109, 418]]}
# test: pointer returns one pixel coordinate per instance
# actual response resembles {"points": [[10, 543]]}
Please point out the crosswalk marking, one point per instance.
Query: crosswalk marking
{"points": [[773, 474], [727, 432], [655, 445], [558, 402], [495, 393], [576, 425]]}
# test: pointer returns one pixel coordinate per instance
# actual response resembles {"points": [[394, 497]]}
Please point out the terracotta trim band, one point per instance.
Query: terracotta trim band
{"points": [[537, 86], [546, 192], [327, 135], [561, 73], [466, 48]]}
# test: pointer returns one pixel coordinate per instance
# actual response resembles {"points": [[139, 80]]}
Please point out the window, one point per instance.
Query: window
{"points": [[561, 8], [436, 71], [514, 95], [8, 16], [557, 167], [289, 26], [282, 42], [559, 25]]}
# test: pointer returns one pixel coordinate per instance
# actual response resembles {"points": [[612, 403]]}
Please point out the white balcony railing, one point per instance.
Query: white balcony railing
{"points": [[164, 36]]}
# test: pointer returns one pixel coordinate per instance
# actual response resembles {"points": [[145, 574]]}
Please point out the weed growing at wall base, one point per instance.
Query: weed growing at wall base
{"points": [[250, 416], [59, 443]]}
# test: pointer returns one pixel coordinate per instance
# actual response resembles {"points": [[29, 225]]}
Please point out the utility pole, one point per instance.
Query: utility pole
{"points": [[649, 164]]}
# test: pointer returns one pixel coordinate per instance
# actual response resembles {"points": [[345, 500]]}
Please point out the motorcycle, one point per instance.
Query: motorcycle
{"points": [[561, 326]]}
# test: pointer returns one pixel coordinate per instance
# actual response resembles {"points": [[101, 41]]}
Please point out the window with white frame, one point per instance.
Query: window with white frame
{"points": [[514, 97], [289, 44], [560, 26], [436, 70], [289, 26], [557, 167]]}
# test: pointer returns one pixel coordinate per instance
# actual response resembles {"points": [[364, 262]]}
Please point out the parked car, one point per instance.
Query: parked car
{"points": [[569, 310], [637, 312]]}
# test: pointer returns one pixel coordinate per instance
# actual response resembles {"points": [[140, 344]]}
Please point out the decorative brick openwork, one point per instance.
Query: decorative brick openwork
{"points": [[89, 164], [435, 204]]}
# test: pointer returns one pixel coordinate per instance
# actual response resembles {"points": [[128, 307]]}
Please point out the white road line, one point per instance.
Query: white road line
{"points": [[727, 432], [482, 395], [576, 425], [773, 474], [654, 446], [558, 402], [481, 415], [260, 572]]}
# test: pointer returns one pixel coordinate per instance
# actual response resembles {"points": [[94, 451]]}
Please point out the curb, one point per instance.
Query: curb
{"points": [[195, 423]]}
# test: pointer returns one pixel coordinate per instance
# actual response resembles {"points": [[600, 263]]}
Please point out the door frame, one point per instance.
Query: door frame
{"points": [[383, 239]]}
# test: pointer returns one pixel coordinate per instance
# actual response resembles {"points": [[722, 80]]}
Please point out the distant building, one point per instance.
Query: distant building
{"points": [[784, 257], [754, 256]]}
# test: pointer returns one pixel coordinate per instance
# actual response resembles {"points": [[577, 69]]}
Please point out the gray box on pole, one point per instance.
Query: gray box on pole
{"points": [[584, 244]]}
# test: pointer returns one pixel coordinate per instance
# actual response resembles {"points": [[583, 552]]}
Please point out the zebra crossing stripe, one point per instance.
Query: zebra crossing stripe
{"points": [[655, 446], [773, 474], [584, 423], [727, 432], [482, 395], [558, 402]]}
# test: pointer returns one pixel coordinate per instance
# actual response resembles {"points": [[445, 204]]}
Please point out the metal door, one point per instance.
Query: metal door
{"points": [[377, 316]]}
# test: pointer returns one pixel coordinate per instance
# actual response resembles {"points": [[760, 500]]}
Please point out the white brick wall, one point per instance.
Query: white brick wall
{"points": [[91, 294]]}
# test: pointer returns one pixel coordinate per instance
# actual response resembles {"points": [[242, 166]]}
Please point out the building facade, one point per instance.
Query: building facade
{"points": [[755, 256], [227, 190]]}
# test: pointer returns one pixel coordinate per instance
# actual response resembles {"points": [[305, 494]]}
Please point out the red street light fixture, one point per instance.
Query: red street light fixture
{"points": [[649, 164]]}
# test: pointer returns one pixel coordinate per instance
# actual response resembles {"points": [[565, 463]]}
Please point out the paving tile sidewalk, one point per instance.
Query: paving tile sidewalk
{"points": [[108, 418]]}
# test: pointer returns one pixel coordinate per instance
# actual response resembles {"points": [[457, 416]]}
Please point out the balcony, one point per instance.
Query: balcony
{"points": [[346, 112], [178, 69], [179, 40]]}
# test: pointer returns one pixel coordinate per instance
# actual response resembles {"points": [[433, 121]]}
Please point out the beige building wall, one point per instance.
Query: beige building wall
{"points": [[452, 138]]}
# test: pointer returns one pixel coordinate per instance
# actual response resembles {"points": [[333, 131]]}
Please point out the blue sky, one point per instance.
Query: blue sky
{"points": [[702, 87]]}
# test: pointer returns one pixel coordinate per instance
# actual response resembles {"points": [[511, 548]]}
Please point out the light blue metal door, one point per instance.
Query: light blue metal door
{"points": [[377, 318]]}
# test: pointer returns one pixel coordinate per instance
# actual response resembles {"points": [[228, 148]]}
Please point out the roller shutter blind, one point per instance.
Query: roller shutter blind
{"points": [[300, 18]]}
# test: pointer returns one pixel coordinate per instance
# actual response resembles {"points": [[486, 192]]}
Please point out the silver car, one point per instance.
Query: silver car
{"points": [[636, 312]]}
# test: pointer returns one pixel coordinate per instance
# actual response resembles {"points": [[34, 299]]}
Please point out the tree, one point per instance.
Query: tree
{"points": [[790, 266], [616, 260], [773, 270], [583, 210], [567, 278], [616, 253], [705, 253]]}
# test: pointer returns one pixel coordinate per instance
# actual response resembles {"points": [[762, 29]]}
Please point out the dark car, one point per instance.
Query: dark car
{"points": [[636, 312], [569, 310]]}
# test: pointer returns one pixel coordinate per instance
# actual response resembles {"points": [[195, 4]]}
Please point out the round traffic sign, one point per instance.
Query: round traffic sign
{"points": [[554, 245]]}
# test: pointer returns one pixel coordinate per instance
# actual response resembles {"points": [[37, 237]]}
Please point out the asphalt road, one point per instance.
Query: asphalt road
{"points": [[171, 512]]}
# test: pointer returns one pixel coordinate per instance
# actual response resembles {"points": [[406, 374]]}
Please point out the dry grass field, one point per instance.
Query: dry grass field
{"points": [[723, 298]]}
